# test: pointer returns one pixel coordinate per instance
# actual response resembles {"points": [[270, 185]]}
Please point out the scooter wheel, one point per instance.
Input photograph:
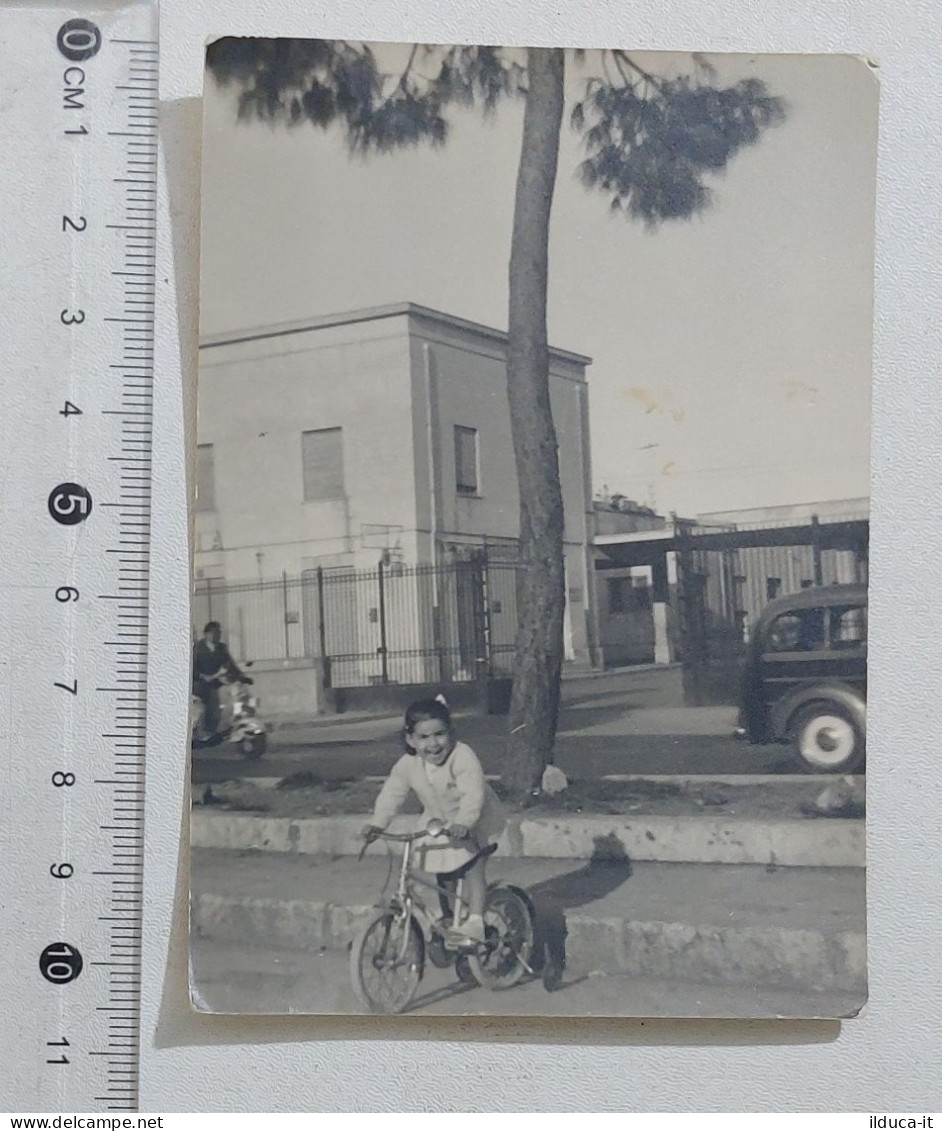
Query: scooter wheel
{"points": [[254, 745]]}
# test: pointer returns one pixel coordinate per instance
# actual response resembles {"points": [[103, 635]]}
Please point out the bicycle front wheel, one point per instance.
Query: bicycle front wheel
{"points": [[386, 962], [509, 933]]}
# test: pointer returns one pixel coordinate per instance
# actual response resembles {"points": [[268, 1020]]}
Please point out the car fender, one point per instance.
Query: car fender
{"points": [[835, 692]]}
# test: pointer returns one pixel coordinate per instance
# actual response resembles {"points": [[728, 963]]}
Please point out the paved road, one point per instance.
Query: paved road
{"points": [[241, 979], [579, 757], [623, 724]]}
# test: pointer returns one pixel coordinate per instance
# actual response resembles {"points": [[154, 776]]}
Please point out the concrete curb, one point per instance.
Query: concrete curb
{"points": [[822, 843], [267, 782], [789, 958]]}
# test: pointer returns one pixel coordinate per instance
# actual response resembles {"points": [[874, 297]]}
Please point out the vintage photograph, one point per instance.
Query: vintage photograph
{"points": [[530, 532]]}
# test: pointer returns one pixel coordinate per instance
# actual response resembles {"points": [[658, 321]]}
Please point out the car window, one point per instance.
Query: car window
{"points": [[849, 627], [801, 630]]}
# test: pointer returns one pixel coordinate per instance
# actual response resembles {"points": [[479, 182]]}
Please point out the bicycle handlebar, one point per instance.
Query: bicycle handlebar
{"points": [[403, 837], [381, 834]]}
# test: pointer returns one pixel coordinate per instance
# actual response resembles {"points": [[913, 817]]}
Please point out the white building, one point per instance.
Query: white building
{"points": [[335, 442]]}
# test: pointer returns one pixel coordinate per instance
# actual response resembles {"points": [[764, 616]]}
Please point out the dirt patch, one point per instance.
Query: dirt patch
{"points": [[307, 795]]}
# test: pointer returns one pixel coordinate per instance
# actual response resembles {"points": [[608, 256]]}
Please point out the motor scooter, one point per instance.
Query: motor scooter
{"points": [[238, 719]]}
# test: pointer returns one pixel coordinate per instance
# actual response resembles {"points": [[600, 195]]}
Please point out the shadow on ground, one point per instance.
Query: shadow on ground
{"points": [[608, 868]]}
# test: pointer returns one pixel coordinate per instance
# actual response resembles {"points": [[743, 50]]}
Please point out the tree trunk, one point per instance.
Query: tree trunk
{"points": [[538, 658]]}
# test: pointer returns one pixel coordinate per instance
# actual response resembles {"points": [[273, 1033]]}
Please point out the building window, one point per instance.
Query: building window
{"points": [[205, 478], [322, 464], [466, 460]]}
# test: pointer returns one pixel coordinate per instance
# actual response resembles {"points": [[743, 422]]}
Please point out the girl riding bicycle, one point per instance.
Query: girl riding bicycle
{"points": [[447, 778]]}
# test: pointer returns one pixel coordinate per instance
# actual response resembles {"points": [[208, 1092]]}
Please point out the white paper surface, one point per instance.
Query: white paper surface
{"points": [[889, 1059]]}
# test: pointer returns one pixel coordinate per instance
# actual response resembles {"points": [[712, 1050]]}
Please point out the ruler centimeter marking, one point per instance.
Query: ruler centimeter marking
{"points": [[78, 126]]}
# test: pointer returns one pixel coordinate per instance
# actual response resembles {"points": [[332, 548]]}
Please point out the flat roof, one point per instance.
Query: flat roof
{"points": [[372, 314], [627, 549], [827, 510], [664, 534]]}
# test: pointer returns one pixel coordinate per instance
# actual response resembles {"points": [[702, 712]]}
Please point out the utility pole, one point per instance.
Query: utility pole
{"points": [[652, 498]]}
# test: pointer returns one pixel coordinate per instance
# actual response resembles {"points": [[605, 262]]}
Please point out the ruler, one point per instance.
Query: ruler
{"points": [[78, 125]]}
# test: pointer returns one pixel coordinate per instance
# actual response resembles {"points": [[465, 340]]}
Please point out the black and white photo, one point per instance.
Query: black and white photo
{"points": [[530, 531]]}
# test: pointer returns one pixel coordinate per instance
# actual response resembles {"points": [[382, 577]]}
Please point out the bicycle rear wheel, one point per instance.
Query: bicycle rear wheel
{"points": [[386, 962], [509, 933]]}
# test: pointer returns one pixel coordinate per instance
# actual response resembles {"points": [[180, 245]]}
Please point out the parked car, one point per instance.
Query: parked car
{"points": [[804, 678]]}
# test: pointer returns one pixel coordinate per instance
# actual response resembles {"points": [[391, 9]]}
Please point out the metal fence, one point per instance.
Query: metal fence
{"points": [[390, 624]]}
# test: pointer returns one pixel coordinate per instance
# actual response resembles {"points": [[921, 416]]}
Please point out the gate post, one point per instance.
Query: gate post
{"points": [[816, 549], [284, 612], [384, 660], [691, 626], [322, 629], [487, 669], [660, 611]]}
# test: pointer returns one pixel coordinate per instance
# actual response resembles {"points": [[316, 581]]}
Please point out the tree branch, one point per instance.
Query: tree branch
{"points": [[405, 74], [646, 75], [621, 69]]}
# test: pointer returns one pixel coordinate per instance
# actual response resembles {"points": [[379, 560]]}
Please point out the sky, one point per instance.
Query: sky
{"points": [[731, 352]]}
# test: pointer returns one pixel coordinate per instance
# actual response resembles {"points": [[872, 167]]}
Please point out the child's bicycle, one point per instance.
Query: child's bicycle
{"points": [[387, 959]]}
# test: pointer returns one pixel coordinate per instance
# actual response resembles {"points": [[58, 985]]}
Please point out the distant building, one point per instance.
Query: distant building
{"points": [[758, 574], [615, 514], [331, 444], [666, 587], [795, 514]]}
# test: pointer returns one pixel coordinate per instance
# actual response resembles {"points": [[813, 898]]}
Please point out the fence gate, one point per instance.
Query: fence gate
{"points": [[417, 624], [712, 625], [392, 624]]}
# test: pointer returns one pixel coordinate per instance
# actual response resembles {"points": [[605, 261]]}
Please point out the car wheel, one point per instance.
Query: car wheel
{"points": [[826, 739]]}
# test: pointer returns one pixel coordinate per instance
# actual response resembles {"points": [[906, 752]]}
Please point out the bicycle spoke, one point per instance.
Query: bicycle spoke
{"points": [[509, 930], [387, 963]]}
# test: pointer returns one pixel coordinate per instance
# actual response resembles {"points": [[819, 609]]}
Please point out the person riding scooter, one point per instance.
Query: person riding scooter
{"points": [[213, 663]]}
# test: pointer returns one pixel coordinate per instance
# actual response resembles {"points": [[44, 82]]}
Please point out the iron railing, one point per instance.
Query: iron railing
{"points": [[389, 624]]}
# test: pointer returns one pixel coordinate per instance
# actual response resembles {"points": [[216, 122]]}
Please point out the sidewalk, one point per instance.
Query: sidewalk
{"points": [[642, 687], [232, 978], [799, 929]]}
